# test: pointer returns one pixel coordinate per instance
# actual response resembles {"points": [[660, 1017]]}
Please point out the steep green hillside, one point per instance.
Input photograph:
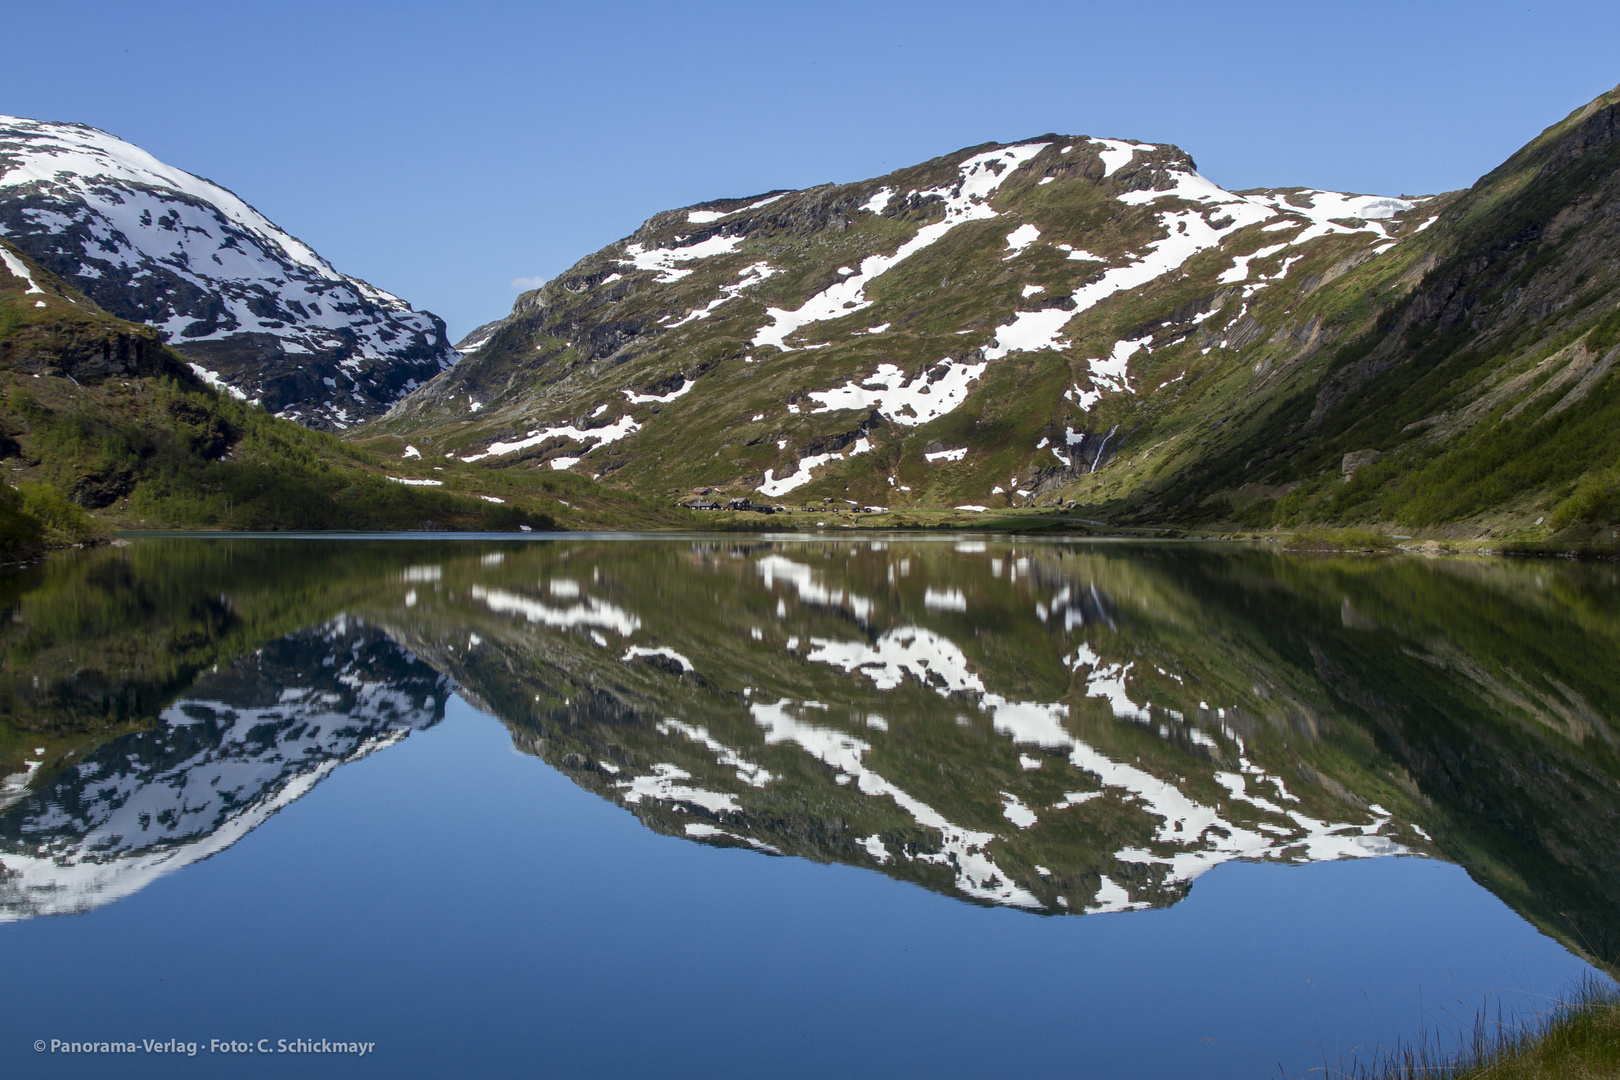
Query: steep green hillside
{"points": [[1480, 398], [987, 328], [97, 416], [1083, 322]]}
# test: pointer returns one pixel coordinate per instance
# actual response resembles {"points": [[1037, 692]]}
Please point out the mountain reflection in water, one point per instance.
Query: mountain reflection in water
{"points": [[1058, 727]]}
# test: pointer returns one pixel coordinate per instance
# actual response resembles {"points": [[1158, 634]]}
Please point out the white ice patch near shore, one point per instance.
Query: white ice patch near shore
{"points": [[602, 436], [802, 475], [912, 402], [961, 850], [966, 200]]}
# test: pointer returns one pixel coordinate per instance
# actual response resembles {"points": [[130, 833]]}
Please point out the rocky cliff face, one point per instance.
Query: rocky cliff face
{"points": [[82, 344], [256, 311]]}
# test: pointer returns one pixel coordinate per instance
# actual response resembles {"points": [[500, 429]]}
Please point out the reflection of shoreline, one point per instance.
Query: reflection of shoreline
{"points": [[702, 771], [14, 788], [1042, 726], [147, 804]]}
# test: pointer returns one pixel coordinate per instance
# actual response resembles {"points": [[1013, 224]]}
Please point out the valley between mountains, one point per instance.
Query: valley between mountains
{"points": [[1063, 330]]}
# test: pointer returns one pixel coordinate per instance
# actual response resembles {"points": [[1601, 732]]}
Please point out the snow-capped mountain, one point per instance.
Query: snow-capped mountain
{"points": [[254, 309], [1079, 322], [976, 329], [242, 744]]}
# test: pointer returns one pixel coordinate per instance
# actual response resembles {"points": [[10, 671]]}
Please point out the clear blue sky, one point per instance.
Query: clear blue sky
{"points": [[444, 150]]}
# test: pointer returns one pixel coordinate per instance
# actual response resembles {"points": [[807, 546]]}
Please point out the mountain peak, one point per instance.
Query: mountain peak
{"points": [[975, 329], [249, 303]]}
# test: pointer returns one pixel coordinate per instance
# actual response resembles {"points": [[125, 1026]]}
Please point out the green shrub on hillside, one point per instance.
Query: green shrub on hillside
{"points": [[1340, 540], [21, 534], [62, 524]]}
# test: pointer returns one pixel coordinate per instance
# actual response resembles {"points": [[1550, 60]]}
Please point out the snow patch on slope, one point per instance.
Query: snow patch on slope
{"points": [[966, 200], [912, 402], [802, 474], [601, 436], [666, 261]]}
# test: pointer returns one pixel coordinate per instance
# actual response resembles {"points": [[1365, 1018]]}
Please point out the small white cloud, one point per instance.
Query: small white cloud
{"points": [[524, 284]]}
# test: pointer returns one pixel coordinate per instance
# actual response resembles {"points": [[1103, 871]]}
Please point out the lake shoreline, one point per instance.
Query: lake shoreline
{"points": [[1428, 548]]}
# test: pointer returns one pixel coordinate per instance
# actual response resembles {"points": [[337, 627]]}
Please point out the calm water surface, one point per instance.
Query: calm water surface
{"points": [[716, 807]]}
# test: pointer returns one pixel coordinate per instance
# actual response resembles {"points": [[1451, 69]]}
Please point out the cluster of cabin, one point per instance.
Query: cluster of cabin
{"points": [[706, 501], [734, 504]]}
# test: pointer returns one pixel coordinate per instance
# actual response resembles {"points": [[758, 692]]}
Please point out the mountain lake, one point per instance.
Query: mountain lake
{"points": [[778, 806]]}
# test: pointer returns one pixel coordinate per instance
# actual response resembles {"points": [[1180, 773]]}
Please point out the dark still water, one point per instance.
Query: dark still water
{"points": [[742, 808]]}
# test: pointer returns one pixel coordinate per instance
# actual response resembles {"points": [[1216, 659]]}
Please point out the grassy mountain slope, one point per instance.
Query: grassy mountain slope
{"points": [[1485, 388], [1089, 323], [98, 416], [1018, 312]]}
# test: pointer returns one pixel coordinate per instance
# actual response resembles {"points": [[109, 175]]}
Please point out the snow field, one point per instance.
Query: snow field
{"points": [[602, 436], [666, 261], [705, 217], [967, 200], [801, 476], [19, 269], [910, 402]]}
